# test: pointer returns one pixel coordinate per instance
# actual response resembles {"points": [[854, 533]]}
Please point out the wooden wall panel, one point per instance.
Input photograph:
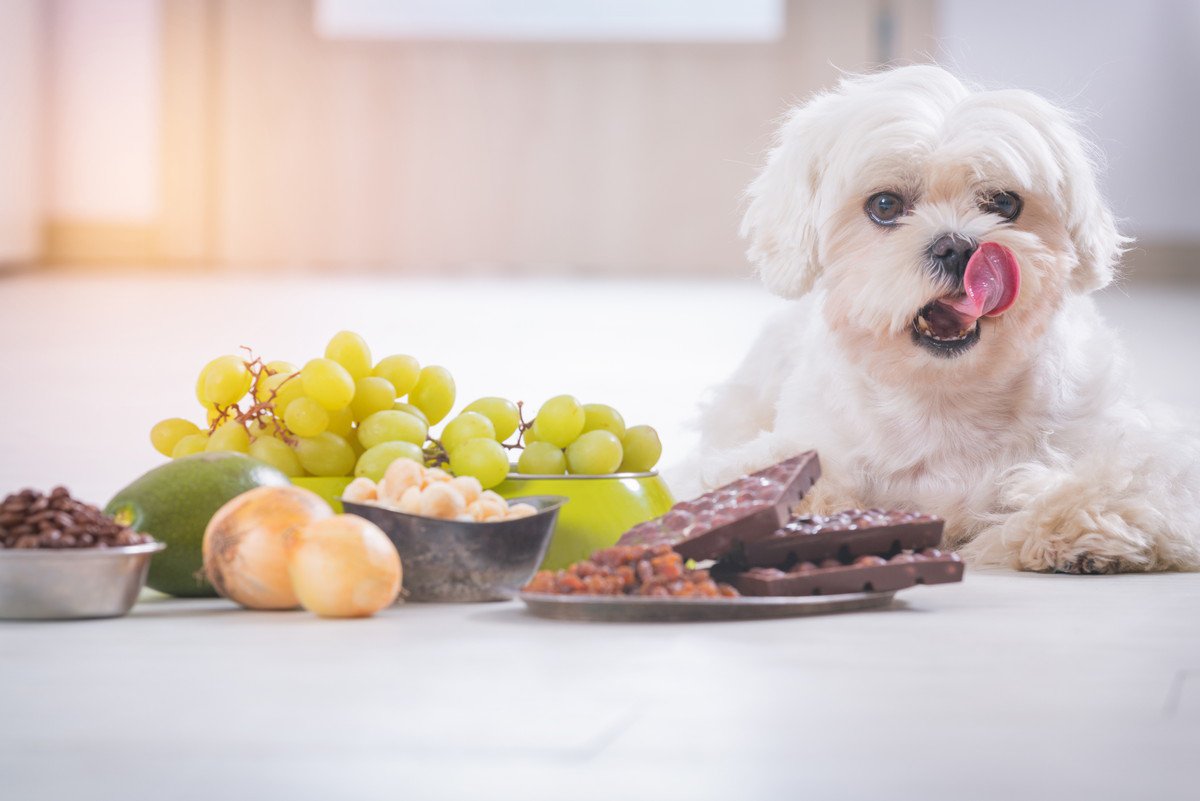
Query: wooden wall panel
{"points": [[22, 194], [434, 156]]}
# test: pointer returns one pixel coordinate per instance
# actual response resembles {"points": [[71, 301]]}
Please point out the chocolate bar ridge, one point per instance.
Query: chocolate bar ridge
{"points": [[866, 574], [718, 522], [845, 535]]}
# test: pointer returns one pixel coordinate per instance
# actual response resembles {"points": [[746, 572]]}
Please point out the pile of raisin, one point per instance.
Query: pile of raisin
{"points": [[653, 570]]}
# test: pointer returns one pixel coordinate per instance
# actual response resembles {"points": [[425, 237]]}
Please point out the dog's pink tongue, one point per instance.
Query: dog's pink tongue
{"points": [[991, 280]]}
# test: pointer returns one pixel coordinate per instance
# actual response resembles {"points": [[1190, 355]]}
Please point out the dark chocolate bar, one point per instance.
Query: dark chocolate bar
{"points": [[865, 574], [713, 525], [845, 535]]}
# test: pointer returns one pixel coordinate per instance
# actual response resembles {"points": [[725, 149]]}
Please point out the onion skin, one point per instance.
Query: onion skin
{"points": [[245, 544], [344, 566]]}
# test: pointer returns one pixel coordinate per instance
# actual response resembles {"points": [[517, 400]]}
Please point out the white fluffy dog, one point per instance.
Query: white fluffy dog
{"points": [[942, 352]]}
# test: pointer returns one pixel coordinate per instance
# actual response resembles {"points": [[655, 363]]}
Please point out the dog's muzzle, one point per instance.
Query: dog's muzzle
{"points": [[989, 279]]}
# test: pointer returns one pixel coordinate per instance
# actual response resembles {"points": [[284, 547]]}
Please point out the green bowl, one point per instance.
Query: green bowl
{"points": [[601, 509], [330, 489]]}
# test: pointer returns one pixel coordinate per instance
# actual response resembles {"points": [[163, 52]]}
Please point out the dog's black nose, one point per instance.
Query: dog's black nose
{"points": [[951, 253]]}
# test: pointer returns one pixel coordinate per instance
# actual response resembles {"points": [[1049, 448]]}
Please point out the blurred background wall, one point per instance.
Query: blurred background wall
{"points": [[22, 44], [328, 135]]}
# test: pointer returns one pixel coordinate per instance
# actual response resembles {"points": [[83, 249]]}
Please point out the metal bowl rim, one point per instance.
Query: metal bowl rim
{"points": [[74, 553], [558, 501]]}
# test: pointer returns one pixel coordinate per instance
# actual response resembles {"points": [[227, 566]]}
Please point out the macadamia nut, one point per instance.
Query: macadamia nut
{"points": [[360, 490]]}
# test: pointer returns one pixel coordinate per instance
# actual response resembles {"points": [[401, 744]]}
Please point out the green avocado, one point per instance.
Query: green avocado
{"points": [[174, 502]]}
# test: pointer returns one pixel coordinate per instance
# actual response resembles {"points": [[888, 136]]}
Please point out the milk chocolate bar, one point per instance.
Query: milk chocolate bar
{"points": [[864, 574], [720, 521], [845, 535]]}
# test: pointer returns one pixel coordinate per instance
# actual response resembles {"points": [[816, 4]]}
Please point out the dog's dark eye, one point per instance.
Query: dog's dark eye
{"points": [[885, 208], [1006, 204]]}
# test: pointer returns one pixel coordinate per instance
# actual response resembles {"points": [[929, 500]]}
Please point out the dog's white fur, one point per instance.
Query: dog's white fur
{"points": [[1030, 443]]}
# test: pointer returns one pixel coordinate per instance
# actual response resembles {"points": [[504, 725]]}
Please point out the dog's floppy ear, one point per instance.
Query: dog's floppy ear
{"points": [[781, 220], [1088, 219]]}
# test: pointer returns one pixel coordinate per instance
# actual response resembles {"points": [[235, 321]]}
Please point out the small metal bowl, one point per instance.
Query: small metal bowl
{"points": [[452, 560], [72, 583]]}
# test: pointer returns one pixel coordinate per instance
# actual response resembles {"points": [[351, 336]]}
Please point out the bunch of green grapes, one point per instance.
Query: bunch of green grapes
{"points": [[343, 414], [338, 415], [566, 436]]}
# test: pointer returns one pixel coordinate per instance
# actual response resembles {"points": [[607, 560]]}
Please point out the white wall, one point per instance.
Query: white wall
{"points": [[104, 109], [1133, 69], [20, 123]]}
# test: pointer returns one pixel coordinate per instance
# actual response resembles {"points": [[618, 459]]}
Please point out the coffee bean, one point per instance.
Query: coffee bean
{"points": [[29, 519]]}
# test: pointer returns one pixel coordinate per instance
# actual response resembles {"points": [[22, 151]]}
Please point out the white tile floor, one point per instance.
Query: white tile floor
{"points": [[1006, 686]]}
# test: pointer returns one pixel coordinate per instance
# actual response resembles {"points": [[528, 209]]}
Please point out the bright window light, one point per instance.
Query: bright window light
{"points": [[553, 20]]}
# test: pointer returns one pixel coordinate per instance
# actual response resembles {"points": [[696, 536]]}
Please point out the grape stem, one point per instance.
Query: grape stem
{"points": [[259, 408], [435, 453], [522, 427]]}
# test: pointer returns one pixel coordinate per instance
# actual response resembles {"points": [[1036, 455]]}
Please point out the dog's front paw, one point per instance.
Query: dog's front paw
{"points": [[1053, 560], [1084, 543]]}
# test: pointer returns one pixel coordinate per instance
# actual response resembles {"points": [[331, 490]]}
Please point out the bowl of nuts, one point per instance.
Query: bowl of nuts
{"points": [[457, 542], [61, 558]]}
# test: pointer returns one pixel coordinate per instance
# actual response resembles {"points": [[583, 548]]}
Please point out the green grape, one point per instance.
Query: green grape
{"points": [[226, 380], [391, 426], [502, 412], [400, 371], [200, 396], [642, 449], [528, 437], [266, 383], [341, 422], [599, 417], [326, 455], [280, 368], [372, 394], [485, 459], [306, 418], [350, 351], [401, 406], [192, 443], [261, 427], [328, 383], [559, 421], [595, 453], [277, 454], [165, 434], [468, 425], [286, 386], [542, 458], [374, 462], [229, 436], [433, 393]]}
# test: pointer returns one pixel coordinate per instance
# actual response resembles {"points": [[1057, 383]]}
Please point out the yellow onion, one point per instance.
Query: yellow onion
{"points": [[245, 546], [343, 566]]}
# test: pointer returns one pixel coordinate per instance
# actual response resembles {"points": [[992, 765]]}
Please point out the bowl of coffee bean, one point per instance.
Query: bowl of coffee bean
{"points": [[61, 558]]}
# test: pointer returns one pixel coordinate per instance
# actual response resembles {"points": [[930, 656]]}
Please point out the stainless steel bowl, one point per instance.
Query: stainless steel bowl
{"points": [[65, 584], [451, 560]]}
